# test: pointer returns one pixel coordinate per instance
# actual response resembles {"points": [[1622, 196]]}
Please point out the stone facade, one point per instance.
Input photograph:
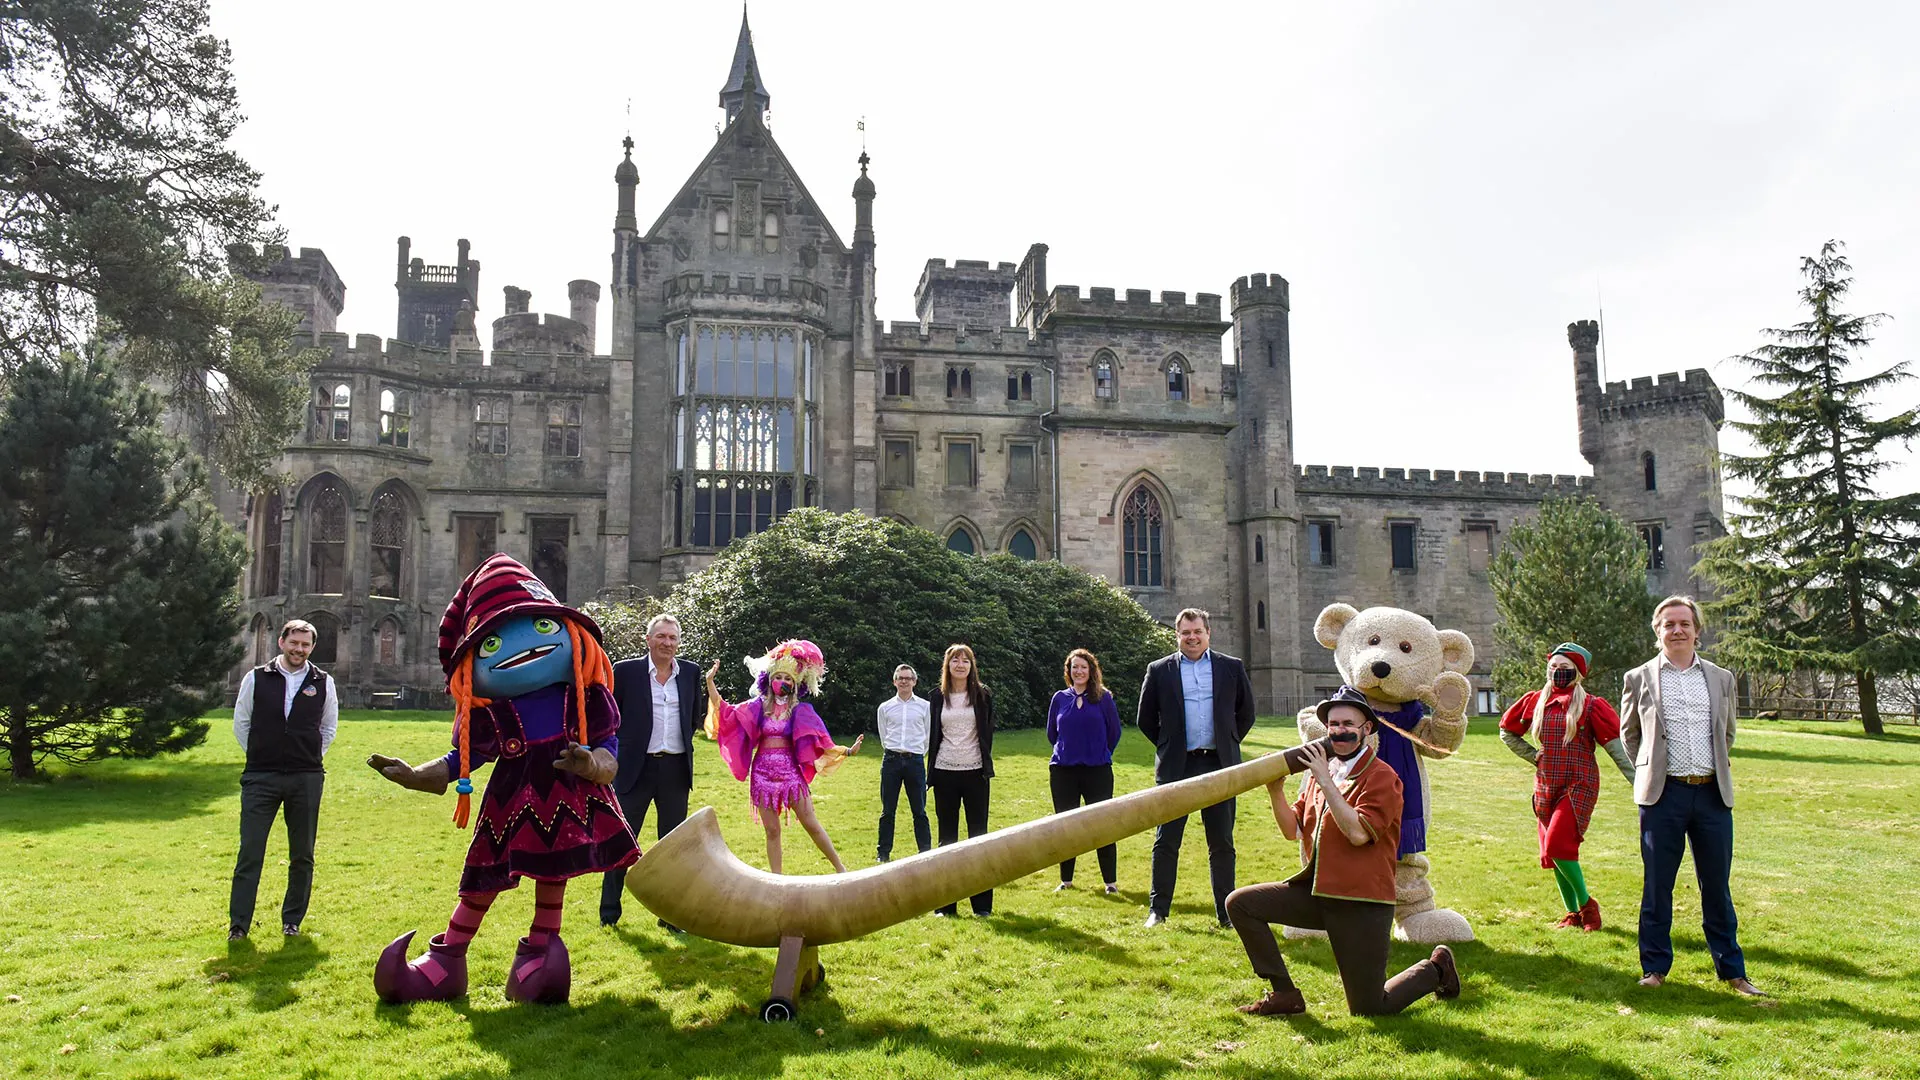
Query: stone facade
{"points": [[746, 374]]}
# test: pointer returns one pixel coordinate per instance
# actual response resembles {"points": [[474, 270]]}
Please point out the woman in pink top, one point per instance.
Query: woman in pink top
{"points": [[777, 743]]}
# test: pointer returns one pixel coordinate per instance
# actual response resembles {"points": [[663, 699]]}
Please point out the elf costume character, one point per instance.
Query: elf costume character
{"points": [[1567, 723], [777, 743], [532, 692]]}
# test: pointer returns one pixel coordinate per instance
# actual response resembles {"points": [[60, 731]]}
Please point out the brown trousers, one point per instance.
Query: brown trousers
{"points": [[1360, 932]]}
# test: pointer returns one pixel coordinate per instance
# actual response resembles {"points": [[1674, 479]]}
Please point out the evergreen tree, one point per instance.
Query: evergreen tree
{"points": [[118, 614], [1819, 572], [1573, 573], [122, 206]]}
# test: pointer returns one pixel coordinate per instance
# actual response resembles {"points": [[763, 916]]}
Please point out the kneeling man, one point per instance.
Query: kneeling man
{"points": [[1348, 823]]}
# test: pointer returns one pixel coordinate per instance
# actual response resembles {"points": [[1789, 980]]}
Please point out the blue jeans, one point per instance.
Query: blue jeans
{"points": [[1688, 814], [899, 770]]}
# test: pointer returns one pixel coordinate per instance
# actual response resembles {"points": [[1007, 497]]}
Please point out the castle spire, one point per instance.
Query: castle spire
{"points": [[743, 79]]}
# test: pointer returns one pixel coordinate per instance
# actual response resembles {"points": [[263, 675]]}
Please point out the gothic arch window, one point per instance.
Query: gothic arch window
{"points": [[396, 417], [960, 382], [961, 540], [1260, 615], [388, 539], [1103, 375], [1259, 549], [1177, 373], [266, 567], [386, 643], [744, 427], [1143, 540], [263, 643], [1646, 467], [1022, 545], [326, 638], [327, 541], [899, 379]]}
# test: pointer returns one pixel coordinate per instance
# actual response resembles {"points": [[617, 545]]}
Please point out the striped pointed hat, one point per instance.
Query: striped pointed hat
{"points": [[497, 590]]}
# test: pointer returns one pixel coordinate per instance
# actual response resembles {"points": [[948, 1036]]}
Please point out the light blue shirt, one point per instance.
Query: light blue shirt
{"points": [[1196, 690]]}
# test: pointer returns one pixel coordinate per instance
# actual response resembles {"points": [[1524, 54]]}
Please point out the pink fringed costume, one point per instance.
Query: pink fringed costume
{"points": [[777, 751]]}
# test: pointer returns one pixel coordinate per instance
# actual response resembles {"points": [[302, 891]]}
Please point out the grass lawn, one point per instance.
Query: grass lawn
{"points": [[113, 890]]}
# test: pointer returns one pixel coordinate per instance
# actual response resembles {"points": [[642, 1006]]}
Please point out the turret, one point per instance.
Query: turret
{"points": [[1584, 336], [626, 257], [583, 303], [1262, 442]]}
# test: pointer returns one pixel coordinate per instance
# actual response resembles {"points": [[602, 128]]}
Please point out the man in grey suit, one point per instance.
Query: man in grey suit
{"points": [[1195, 706], [1676, 717]]}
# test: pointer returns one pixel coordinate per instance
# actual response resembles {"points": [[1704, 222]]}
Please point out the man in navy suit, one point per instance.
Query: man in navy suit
{"points": [[1196, 706], [657, 694]]}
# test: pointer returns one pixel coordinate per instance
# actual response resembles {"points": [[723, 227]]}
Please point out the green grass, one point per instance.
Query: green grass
{"points": [[113, 886]]}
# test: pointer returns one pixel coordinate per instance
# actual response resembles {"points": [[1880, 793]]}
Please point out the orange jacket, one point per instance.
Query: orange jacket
{"points": [[1339, 869]]}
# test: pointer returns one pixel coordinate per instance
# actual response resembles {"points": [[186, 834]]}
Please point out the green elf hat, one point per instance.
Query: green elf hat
{"points": [[1581, 658]]}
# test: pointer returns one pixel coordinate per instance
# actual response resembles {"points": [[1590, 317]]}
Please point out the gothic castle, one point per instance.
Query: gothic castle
{"points": [[747, 375]]}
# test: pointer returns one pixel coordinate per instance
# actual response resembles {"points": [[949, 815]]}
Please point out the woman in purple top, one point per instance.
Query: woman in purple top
{"points": [[1083, 724]]}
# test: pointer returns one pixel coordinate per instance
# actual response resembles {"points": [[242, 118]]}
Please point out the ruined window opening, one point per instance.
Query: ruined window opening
{"points": [[327, 542], [476, 536], [549, 541], [267, 580], [1650, 534], [332, 412], [387, 539], [563, 429], [396, 418], [1319, 543], [1259, 549], [490, 415]]}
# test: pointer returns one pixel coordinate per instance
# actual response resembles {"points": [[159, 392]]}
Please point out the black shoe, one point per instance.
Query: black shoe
{"points": [[669, 927], [1154, 918], [236, 933], [1225, 923], [291, 929]]}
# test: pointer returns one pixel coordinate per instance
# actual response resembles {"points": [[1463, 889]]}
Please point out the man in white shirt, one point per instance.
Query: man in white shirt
{"points": [[284, 718], [657, 694], [1677, 720], [903, 720]]}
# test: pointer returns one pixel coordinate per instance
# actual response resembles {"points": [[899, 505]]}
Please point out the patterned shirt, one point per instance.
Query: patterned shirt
{"points": [[1686, 716]]}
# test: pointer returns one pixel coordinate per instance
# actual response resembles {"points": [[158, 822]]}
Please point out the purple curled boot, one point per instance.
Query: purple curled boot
{"points": [[541, 974], [440, 975]]}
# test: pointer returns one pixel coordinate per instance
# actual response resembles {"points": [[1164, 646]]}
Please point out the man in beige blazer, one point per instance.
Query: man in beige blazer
{"points": [[1676, 717]]}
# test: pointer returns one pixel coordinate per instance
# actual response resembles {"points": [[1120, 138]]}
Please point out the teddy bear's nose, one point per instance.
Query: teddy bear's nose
{"points": [[1382, 669]]}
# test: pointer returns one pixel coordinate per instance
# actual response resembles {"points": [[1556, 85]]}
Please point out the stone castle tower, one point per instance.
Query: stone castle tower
{"points": [[746, 374]]}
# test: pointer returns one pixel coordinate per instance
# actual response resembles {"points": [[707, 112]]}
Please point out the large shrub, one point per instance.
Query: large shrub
{"points": [[874, 593]]}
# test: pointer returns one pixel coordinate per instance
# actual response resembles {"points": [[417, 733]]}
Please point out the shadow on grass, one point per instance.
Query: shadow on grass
{"points": [[115, 792], [1041, 930], [269, 974], [1822, 759]]}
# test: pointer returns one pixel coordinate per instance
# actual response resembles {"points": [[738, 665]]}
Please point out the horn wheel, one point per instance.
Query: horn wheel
{"points": [[776, 1010]]}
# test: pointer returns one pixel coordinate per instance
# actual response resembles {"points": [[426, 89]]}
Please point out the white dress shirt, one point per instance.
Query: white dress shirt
{"points": [[666, 712], [1686, 717], [243, 704], [904, 724]]}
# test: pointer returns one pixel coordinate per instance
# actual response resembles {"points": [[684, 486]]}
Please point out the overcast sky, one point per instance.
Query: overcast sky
{"points": [[1445, 186]]}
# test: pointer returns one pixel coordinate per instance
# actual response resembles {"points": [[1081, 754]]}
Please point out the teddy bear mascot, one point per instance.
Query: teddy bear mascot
{"points": [[532, 693], [1415, 678]]}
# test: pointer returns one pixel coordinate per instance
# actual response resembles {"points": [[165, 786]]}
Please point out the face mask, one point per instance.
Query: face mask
{"points": [[1563, 677], [781, 687]]}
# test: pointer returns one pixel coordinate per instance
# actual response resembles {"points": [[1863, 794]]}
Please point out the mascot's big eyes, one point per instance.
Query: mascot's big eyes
{"points": [[490, 645], [1374, 640], [548, 626], [1406, 646]]}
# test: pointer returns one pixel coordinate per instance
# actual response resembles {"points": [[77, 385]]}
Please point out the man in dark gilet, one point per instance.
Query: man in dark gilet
{"points": [[284, 719]]}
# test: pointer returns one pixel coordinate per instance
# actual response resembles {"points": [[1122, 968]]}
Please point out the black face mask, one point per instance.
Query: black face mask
{"points": [[1563, 677]]}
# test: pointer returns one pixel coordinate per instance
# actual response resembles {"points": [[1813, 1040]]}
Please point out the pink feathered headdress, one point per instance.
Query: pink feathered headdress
{"points": [[797, 658]]}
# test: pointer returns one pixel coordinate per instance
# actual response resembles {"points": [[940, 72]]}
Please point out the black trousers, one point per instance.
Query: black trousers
{"points": [[1093, 783], [664, 788], [263, 797], [953, 790], [1360, 932], [1218, 820]]}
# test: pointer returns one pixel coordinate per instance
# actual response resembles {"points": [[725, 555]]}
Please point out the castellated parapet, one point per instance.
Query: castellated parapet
{"points": [[969, 293], [1064, 302], [1437, 483], [899, 336], [1673, 392], [307, 284], [1258, 289], [454, 369], [769, 295]]}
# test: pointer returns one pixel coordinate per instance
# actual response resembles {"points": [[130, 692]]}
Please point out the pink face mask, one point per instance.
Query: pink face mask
{"points": [[781, 688]]}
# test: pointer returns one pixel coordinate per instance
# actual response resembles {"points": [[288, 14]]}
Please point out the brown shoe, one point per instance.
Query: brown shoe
{"points": [[1590, 915], [1449, 987], [1652, 980], [1288, 1002], [1743, 987]]}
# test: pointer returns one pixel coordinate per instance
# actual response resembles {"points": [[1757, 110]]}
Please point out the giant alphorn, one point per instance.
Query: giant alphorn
{"points": [[690, 878]]}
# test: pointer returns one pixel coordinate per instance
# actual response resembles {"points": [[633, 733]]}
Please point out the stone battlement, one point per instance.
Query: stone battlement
{"points": [[1671, 391], [784, 294], [1007, 341], [1436, 483], [1258, 289], [1100, 303], [406, 360]]}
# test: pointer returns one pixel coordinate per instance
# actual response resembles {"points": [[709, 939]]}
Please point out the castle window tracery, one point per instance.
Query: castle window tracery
{"points": [[1176, 379], [327, 542], [490, 424], [1103, 376], [387, 534], [396, 417], [898, 380], [563, 428], [267, 569], [745, 424], [1142, 537]]}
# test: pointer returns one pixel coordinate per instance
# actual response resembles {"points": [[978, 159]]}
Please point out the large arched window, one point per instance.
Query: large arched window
{"points": [[388, 536], [744, 426], [326, 638], [1103, 375], [1022, 545], [266, 567], [960, 540], [1143, 540], [327, 541]]}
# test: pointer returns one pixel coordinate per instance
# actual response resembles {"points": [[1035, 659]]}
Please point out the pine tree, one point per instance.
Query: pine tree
{"points": [[123, 204], [1573, 573], [118, 612], [1819, 572]]}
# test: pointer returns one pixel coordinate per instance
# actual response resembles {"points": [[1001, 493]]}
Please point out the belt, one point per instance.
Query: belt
{"points": [[666, 753], [1208, 750], [904, 753], [1707, 779]]}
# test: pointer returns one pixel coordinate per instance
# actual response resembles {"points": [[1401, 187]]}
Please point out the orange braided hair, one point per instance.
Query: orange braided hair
{"points": [[591, 668], [460, 685]]}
